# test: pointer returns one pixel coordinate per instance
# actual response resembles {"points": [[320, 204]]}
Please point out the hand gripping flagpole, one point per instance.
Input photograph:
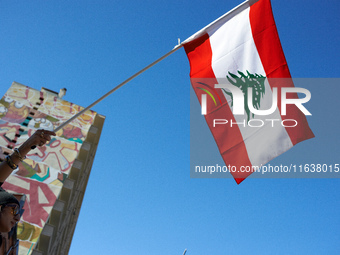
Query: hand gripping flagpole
{"points": [[117, 87]]}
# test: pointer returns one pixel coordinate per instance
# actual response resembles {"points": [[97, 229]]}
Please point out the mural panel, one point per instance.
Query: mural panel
{"points": [[41, 175], [37, 109]]}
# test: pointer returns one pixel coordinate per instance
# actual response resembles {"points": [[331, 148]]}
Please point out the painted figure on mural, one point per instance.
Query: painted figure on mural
{"points": [[9, 205], [15, 111]]}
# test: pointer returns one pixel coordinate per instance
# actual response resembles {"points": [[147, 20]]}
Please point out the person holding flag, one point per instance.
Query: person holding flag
{"points": [[9, 204], [39, 138]]}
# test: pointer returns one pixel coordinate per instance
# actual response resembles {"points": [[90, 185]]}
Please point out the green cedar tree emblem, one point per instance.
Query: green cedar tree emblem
{"points": [[243, 82]]}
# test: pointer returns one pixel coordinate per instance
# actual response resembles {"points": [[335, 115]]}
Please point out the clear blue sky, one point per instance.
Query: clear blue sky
{"points": [[140, 198]]}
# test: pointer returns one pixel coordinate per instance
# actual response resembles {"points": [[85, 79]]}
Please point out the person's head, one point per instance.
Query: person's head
{"points": [[9, 211]]}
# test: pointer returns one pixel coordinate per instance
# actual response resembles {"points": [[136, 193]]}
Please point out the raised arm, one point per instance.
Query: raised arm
{"points": [[39, 138]]}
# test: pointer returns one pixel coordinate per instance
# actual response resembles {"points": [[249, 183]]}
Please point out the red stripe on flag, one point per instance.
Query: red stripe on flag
{"points": [[199, 54], [228, 139], [268, 45]]}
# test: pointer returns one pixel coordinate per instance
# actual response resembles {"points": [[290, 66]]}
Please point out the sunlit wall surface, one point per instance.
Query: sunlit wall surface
{"points": [[54, 176]]}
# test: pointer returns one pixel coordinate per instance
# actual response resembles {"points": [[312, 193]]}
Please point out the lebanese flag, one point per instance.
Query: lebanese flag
{"points": [[241, 45]]}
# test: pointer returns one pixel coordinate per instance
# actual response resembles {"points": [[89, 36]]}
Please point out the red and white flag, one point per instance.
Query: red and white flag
{"points": [[243, 47]]}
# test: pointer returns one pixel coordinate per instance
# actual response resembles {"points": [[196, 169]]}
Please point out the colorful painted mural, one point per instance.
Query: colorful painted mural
{"points": [[38, 109], [42, 174]]}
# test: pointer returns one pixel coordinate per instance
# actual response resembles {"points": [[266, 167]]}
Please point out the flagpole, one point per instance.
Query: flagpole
{"points": [[117, 87]]}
